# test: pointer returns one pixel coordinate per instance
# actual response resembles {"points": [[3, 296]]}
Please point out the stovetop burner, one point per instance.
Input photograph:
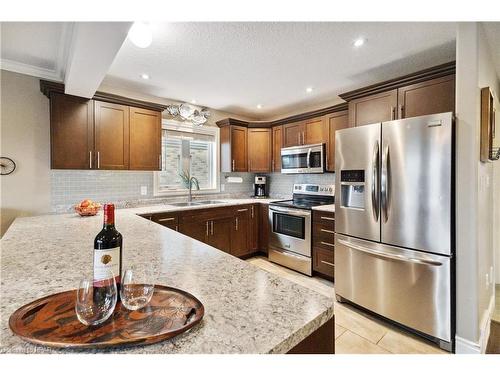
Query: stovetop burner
{"points": [[306, 196]]}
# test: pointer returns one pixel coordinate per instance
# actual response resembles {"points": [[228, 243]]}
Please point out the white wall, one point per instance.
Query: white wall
{"points": [[25, 139], [474, 193]]}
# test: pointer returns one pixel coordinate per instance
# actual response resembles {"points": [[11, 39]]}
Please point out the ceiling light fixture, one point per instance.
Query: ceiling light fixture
{"points": [[359, 42], [140, 34], [309, 89], [144, 76], [193, 101], [259, 106]]}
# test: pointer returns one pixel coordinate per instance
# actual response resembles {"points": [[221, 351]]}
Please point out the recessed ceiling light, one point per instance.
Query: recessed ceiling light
{"points": [[359, 42], [259, 106], [140, 34], [309, 89], [144, 76], [193, 101]]}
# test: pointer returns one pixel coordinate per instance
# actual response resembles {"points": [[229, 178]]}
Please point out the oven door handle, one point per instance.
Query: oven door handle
{"points": [[291, 212]]}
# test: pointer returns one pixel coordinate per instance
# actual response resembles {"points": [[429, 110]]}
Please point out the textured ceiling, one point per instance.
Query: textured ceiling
{"points": [[235, 66]]}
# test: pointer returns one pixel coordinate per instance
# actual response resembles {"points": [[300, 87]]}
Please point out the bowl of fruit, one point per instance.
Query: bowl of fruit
{"points": [[87, 208]]}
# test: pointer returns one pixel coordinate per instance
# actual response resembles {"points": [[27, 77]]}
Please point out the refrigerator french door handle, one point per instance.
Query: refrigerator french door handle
{"points": [[390, 256], [375, 182], [384, 185]]}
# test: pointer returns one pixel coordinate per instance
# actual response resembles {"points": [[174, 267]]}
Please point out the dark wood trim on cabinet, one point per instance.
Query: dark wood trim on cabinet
{"points": [[410, 79], [50, 87]]}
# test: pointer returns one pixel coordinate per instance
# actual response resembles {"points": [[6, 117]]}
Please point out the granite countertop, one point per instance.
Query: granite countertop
{"points": [[326, 208], [166, 207], [247, 310]]}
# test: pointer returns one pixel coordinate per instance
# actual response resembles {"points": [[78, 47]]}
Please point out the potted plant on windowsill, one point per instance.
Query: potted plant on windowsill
{"points": [[188, 181]]}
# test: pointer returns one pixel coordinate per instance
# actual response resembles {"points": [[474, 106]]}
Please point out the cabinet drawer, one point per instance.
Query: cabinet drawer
{"points": [[324, 261], [167, 219], [323, 218], [324, 229]]}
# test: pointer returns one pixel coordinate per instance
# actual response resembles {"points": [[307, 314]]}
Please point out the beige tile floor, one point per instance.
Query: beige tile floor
{"points": [[355, 331]]}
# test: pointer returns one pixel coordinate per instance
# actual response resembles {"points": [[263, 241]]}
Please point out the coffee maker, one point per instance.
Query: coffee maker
{"points": [[260, 190]]}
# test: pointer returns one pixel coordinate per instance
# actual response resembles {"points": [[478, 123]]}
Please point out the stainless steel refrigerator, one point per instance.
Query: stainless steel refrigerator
{"points": [[393, 222]]}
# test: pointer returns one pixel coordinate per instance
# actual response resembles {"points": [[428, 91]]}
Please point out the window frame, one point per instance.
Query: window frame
{"points": [[190, 128]]}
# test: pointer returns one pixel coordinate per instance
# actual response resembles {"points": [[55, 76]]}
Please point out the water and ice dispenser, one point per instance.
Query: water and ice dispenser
{"points": [[352, 186]]}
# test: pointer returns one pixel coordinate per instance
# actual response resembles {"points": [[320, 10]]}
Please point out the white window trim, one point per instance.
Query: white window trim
{"points": [[190, 128]]}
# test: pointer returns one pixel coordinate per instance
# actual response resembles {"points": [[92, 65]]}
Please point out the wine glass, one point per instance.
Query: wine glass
{"points": [[95, 302], [137, 287]]}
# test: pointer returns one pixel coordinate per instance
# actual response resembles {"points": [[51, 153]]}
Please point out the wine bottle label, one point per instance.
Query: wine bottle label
{"points": [[106, 261]]}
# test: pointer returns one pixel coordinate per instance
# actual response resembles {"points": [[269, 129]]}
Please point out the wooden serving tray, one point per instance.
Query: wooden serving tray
{"points": [[52, 321]]}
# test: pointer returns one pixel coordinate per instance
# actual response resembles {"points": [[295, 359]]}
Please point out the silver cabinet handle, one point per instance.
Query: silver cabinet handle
{"points": [[207, 229], [328, 263], [401, 111], [212, 227], [90, 159], [176, 228], [233, 165], [160, 163], [375, 182], [327, 243], [327, 231], [393, 113], [272, 167], [98, 160], [327, 218], [167, 219], [236, 223], [251, 210], [390, 256], [303, 138], [243, 210]]}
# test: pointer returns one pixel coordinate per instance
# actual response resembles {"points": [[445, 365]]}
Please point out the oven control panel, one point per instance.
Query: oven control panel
{"points": [[314, 189]]}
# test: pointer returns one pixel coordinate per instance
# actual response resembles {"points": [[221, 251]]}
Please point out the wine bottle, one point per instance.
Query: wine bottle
{"points": [[108, 250]]}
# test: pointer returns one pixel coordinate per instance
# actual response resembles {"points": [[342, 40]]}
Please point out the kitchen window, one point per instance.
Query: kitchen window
{"points": [[186, 147]]}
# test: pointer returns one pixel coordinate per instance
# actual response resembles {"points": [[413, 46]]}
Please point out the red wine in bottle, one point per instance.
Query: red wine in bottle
{"points": [[108, 250]]}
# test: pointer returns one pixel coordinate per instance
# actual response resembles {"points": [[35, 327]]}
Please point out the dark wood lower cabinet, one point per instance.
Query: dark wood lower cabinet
{"points": [[219, 234], [321, 341], [254, 227], [264, 228], [323, 248], [194, 229], [240, 235]]}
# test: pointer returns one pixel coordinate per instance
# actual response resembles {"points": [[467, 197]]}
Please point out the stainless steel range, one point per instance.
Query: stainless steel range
{"points": [[290, 221]]}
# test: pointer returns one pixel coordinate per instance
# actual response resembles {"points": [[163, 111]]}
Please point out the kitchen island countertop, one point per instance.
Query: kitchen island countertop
{"points": [[247, 310]]}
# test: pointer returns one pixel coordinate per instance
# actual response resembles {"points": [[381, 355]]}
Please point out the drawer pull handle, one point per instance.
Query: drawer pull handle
{"points": [[327, 231], [327, 218], [167, 219], [328, 263], [327, 244], [243, 210]]}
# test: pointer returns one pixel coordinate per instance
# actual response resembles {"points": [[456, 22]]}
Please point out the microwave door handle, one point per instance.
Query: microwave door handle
{"points": [[309, 158], [375, 182]]}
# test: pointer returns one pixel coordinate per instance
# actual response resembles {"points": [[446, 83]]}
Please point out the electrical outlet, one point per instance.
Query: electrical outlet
{"points": [[144, 190]]}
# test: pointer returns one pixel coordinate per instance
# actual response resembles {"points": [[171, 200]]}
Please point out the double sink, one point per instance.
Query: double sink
{"points": [[197, 203]]}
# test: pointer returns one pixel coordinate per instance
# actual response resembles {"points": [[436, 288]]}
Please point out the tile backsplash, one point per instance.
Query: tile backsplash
{"points": [[68, 187]]}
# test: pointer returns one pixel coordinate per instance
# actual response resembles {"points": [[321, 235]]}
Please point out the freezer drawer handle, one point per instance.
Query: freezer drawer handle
{"points": [[390, 256]]}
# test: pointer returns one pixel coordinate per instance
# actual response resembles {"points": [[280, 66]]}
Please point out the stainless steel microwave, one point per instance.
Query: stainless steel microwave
{"points": [[303, 159]]}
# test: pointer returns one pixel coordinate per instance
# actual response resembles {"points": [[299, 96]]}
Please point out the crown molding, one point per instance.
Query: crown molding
{"points": [[31, 70]]}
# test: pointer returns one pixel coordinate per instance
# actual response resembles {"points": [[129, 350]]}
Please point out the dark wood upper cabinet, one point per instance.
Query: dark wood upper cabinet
{"points": [[333, 122], [293, 134], [111, 135], [145, 139], [259, 150], [71, 132], [373, 108], [276, 152], [428, 97], [233, 145], [314, 131]]}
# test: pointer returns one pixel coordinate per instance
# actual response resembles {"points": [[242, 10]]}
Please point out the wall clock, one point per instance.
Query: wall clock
{"points": [[7, 166]]}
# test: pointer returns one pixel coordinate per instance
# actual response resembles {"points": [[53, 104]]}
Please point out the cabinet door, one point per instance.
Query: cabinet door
{"points": [[277, 144], [264, 228], [314, 131], [427, 98], [292, 134], [240, 234], [239, 149], [198, 230], [145, 139], [220, 234], [254, 227], [333, 122], [374, 108], [111, 135], [259, 150], [71, 132], [169, 220]]}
